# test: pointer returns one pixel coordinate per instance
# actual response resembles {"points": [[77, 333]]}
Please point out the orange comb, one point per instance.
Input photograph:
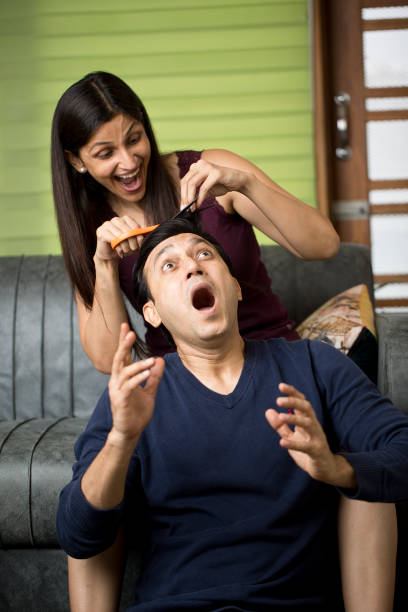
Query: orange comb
{"points": [[141, 231]]}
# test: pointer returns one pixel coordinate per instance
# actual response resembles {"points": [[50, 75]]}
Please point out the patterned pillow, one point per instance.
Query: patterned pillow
{"points": [[346, 322]]}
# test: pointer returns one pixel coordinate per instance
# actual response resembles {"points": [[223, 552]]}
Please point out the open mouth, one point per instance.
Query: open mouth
{"points": [[130, 181], [203, 298]]}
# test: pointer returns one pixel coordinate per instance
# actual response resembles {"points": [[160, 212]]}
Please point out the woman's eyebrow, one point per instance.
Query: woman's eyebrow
{"points": [[109, 142], [102, 143]]}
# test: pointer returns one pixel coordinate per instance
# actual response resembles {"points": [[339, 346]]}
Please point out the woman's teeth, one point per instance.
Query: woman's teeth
{"points": [[130, 180], [129, 177]]}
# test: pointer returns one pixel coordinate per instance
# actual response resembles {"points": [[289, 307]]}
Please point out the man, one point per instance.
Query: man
{"points": [[230, 448]]}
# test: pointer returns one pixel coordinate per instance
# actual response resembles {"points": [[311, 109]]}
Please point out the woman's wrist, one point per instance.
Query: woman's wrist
{"points": [[106, 268], [248, 186], [106, 274], [105, 264]]}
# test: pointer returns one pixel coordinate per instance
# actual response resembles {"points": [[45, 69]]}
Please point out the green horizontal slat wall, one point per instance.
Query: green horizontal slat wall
{"points": [[231, 74]]}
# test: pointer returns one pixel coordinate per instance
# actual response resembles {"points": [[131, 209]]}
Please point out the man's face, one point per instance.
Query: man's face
{"points": [[194, 294]]}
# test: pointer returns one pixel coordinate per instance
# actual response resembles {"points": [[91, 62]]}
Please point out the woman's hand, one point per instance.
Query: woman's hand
{"points": [[132, 405], [245, 189], [207, 179], [112, 229], [303, 436]]}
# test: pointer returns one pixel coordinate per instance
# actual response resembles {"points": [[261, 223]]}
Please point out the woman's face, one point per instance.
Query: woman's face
{"points": [[117, 156]]}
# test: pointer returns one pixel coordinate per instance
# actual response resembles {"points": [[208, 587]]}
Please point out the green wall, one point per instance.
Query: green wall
{"points": [[233, 74]]}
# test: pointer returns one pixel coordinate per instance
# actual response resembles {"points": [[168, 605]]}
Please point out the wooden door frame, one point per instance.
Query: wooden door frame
{"points": [[341, 185], [342, 188]]}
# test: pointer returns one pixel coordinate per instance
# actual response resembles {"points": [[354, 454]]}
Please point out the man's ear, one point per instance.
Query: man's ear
{"points": [[239, 290], [75, 161], [151, 315]]}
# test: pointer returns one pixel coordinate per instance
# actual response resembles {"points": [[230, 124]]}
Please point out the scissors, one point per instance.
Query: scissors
{"points": [[142, 231]]}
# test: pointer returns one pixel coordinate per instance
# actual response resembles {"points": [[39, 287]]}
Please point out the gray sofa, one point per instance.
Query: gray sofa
{"points": [[48, 389]]}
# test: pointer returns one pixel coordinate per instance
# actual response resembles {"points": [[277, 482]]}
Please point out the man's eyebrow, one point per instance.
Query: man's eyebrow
{"points": [[198, 239], [193, 240], [162, 251]]}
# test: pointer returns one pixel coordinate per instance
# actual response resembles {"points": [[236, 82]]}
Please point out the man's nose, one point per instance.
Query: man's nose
{"points": [[193, 268], [190, 274]]}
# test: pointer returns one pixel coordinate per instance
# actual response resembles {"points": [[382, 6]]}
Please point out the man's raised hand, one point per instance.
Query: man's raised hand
{"points": [[132, 404], [302, 435]]}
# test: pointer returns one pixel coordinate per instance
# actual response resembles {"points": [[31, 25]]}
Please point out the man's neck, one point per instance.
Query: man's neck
{"points": [[218, 366]]}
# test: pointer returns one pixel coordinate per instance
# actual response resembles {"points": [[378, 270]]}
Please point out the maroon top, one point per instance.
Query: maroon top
{"points": [[260, 313]]}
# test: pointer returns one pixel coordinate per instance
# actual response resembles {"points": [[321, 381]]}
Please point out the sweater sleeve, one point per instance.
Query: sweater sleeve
{"points": [[367, 429], [83, 530]]}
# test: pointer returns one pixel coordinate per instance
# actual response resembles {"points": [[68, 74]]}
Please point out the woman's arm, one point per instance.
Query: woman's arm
{"points": [[95, 583], [368, 551], [242, 187], [99, 326]]}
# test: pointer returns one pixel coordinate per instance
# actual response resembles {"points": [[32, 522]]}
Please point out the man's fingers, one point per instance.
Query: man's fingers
{"points": [[131, 382], [134, 369], [124, 330], [294, 444], [273, 418], [131, 376], [290, 390], [296, 420], [156, 373], [123, 353], [293, 403]]}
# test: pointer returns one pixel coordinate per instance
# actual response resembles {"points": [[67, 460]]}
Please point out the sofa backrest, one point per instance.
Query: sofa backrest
{"points": [[303, 286], [44, 372]]}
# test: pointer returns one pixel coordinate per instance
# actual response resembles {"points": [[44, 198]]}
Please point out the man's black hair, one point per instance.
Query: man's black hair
{"points": [[187, 223]]}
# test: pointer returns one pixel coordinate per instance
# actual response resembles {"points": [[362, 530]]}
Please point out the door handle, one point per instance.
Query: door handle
{"points": [[342, 101]]}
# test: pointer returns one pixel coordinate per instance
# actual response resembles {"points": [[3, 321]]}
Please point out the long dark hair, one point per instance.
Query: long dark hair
{"points": [[81, 203]]}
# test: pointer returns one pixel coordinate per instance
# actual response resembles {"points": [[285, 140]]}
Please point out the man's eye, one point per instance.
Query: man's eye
{"points": [[167, 266], [205, 253]]}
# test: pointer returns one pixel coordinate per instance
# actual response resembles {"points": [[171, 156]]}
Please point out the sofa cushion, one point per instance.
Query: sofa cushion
{"points": [[36, 458], [346, 321]]}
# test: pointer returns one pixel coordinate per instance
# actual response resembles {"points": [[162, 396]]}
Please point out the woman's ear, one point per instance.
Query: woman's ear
{"points": [[151, 315], [75, 161]]}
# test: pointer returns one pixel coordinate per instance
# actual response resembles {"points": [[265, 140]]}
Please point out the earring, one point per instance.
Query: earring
{"points": [[82, 170]]}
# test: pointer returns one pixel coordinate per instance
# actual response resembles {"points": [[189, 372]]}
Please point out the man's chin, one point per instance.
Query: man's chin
{"points": [[205, 334]]}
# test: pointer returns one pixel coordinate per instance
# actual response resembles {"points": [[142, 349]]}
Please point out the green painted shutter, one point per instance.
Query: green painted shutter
{"points": [[212, 73]]}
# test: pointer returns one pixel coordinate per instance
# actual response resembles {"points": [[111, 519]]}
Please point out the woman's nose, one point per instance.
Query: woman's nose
{"points": [[126, 159]]}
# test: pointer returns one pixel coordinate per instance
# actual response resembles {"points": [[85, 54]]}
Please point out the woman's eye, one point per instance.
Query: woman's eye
{"points": [[167, 266], [205, 253], [134, 139], [104, 154]]}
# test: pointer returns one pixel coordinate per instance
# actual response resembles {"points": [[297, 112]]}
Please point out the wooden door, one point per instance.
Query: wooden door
{"points": [[361, 123]]}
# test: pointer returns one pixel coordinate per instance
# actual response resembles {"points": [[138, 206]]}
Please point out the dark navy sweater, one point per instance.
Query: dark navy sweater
{"points": [[229, 521]]}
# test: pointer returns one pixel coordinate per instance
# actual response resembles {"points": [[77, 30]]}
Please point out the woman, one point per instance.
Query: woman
{"points": [[109, 177]]}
